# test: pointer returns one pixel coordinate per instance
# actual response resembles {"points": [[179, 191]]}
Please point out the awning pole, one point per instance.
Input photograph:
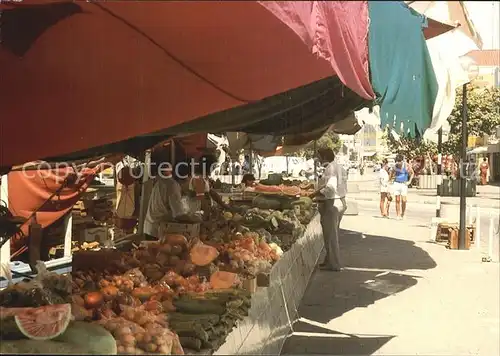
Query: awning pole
{"points": [[144, 200], [5, 249], [315, 165], [251, 158]]}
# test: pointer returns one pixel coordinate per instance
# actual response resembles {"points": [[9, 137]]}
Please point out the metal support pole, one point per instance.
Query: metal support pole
{"points": [[315, 155], [439, 172], [5, 249], [250, 157], [463, 174], [440, 151], [144, 200], [478, 228], [491, 233]]}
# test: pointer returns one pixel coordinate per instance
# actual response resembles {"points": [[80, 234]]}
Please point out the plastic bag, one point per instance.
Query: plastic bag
{"points": [[152, 338], [137, 277], [143, 317]]}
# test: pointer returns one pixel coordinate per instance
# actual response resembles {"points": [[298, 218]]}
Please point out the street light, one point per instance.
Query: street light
{"points": [[470, 67]]}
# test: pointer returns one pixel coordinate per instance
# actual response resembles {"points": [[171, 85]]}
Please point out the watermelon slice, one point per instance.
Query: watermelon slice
{"points": [[44, 323]]}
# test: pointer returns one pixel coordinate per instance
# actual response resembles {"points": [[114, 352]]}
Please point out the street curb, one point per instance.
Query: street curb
{"points": [[427, 202]]}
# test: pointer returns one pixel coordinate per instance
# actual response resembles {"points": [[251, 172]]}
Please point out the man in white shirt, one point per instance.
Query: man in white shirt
{"points": [[325, 194], [165, 204]]}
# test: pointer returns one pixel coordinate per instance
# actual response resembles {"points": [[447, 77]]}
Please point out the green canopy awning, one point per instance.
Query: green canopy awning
{"points": [[401, 69]]}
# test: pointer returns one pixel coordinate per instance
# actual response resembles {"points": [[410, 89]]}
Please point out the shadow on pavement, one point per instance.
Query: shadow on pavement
{"points": [[371, 264], [381, 252], [332, 343]]}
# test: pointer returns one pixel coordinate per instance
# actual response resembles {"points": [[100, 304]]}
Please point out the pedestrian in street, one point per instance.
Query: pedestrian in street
{"points": [[402, 175], [329, 214], [385, 194], [483, 169]]}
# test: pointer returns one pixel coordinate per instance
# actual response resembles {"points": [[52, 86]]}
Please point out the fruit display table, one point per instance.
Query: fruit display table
{"points": [[274, 308]]}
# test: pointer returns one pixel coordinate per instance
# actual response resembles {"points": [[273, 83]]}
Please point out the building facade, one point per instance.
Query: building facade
{"points": [[488, 62]]}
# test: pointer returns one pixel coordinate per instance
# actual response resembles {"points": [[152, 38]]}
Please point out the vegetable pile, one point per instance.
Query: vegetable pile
{"points": [[204, 321]]}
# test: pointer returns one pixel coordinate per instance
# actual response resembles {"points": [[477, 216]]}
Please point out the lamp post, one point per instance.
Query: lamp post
{"points": [[471, 69]]}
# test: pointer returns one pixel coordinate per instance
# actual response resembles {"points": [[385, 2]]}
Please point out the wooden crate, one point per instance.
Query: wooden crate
{"points": [[444, 231], [453, 241]]}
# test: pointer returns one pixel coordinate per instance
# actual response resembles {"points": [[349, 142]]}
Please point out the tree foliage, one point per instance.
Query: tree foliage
{"points": [[483, 105], [328, 140], [411, 147], [483, 116]]}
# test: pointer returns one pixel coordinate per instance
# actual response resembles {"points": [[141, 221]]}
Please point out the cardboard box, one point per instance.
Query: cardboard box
{"points": [[250, 284]]}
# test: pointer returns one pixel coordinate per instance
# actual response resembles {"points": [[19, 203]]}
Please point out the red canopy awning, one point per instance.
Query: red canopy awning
{"points": [[82, 74]]}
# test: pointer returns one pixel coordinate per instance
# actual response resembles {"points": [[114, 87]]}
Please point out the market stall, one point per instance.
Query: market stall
{"points": [[228, 285], [178, 293]]}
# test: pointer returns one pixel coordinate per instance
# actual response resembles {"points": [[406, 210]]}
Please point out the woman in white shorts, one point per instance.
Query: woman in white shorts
{"points": [[385, 185], [403, 174]]}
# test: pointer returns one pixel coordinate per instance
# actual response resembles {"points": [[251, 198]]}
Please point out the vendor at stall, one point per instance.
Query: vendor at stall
{"points": [[165, 203], [329, 214], [248, 181], [203, 169]]}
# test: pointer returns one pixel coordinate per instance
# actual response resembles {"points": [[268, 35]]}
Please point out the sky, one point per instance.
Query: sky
{"points": [[486, 18]]}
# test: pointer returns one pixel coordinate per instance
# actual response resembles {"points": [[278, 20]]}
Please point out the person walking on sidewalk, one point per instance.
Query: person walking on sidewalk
{"points": [[329, 214], [403, 175], [483, 170], [385, 194]]}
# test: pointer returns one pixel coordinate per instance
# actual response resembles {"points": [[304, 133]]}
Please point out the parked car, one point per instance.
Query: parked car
{"points": [[377, 167]]}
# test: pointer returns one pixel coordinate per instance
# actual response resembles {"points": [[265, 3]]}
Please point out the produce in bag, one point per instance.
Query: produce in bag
{"points": [[125, 333], [143, 317], [136, 276], [202, 254], [134, 339], [144, 293]]}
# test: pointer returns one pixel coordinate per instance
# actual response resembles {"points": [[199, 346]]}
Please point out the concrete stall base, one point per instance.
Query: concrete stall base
{"points": [[274, 308]]}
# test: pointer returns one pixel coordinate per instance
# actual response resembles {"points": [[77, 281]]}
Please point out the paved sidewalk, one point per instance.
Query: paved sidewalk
{"points": [[488, 196], [399, 295]]}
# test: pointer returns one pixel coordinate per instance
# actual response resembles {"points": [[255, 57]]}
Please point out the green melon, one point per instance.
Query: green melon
{"points": [[30, 347], [44, 323], [92, 337]]}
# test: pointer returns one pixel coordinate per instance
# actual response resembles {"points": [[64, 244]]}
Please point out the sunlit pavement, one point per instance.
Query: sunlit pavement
{"points": [[420, 215], [399, 294]]}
